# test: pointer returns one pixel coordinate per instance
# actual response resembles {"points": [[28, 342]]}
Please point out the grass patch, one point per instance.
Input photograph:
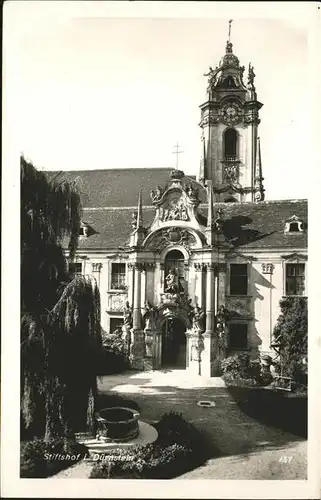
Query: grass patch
{"points": [[180, 447], [284, 410]]}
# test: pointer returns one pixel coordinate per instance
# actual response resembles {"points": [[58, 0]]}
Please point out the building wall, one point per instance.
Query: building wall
{"points": [[266, 287]]}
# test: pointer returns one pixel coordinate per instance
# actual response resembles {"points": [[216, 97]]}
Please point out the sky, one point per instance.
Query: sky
{"points": [[94, 87]]}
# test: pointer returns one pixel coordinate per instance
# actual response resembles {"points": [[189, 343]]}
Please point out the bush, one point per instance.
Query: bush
{"points": [[113, 356], [114, 342], [291, 338], [178, 448], [241, 367], [39, 459]]}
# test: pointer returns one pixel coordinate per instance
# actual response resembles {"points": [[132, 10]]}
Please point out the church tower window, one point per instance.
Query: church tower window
{"points": [[230, 144]]}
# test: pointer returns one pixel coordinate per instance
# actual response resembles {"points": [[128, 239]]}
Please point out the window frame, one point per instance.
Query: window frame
{"points": [[295, 278], [230, 279], [295, 258], [75, 273], [123, 286], [225, 155]]}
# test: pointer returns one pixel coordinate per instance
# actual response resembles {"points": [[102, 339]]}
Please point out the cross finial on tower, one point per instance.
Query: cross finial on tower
{"points": [[177, 152], [229, 29]]}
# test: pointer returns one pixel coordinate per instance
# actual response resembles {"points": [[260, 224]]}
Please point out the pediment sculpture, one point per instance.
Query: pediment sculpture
{"points": [[175, 209]]}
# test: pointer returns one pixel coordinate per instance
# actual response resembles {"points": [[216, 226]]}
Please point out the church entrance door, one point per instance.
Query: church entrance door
{"points": [[173, 344]]}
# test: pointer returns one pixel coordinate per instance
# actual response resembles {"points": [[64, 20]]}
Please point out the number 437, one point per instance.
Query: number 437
{"points": [[285, 459]]}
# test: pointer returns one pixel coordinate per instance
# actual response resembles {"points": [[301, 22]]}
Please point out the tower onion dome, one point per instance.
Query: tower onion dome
{"points": [[229, 60]]}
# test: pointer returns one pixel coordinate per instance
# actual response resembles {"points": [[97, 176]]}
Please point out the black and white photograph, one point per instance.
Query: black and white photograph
{"points": [[158, 166]]}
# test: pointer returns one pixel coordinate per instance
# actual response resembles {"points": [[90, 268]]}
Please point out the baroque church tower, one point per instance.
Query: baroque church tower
{"points": [[231, 157]]}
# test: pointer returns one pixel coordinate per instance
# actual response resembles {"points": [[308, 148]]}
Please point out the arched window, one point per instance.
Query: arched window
{"points": [[230, 143]]}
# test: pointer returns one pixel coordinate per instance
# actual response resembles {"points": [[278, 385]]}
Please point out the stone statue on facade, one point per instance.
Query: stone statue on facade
{"points": [[220, 323], [176, 211], [218, 222], [250, 78], [128, 316], [212, 76], [156, 194], [134, 220], [230, 173], [197, 316], [192, 192], [150, 316], [177, 174]]}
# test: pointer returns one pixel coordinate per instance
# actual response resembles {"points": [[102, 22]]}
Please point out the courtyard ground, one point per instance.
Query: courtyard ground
{"points": [[247, 449]]}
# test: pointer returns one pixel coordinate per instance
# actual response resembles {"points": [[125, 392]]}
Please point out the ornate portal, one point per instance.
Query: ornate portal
{"points": [[171, 236]]}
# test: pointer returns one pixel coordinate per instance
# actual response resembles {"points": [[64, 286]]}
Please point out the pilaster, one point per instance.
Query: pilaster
{"points": [[221, 284], [210, 268], [130, 275], [198, 269], [138, 345]]}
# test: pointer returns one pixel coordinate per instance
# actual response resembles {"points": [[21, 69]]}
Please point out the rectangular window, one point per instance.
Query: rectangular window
{"points": [[118, 276], [238, 336], [238, 279], [75, 267], [295, 279]]}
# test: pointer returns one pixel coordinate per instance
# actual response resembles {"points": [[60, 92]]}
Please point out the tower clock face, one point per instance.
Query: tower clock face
{"points": [[230, 113]]}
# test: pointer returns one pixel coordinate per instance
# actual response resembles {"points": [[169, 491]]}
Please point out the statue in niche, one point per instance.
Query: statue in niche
{"points": [[128, 316], [156, 193], [173, 285]]}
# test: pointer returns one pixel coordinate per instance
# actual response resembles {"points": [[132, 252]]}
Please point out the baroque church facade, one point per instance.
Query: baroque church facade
{"points": [[193, 270]]}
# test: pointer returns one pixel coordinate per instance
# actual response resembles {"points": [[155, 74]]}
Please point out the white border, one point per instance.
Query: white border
{"points": [[305, 14]]}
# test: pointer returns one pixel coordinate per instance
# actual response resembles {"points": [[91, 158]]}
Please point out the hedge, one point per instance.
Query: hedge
{"points": [[40, 459], [179, 447]]}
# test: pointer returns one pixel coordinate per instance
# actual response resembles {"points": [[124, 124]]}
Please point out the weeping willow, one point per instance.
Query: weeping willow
{"points": [[60, 324]]}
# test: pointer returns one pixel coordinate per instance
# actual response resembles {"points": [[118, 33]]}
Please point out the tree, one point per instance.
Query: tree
{"points": [[291, 337], [60, 323]]}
